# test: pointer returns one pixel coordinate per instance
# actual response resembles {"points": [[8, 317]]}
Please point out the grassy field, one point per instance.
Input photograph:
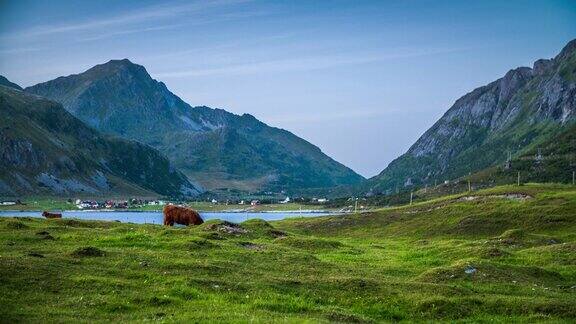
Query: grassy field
{"points": [[504, 254], [42, 204]]}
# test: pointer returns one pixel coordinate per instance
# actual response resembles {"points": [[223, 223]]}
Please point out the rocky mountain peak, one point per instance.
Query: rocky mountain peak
{"points": [[118, 67], [567, 51], [541, 66], [513, 80]]}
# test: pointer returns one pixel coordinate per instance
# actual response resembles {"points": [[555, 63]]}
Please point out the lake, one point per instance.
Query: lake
{"points": [[157, 218]]}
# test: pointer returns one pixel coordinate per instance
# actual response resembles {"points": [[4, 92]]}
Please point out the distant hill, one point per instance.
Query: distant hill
{"points": [[44, 150], [218, 148], [514, 115]]}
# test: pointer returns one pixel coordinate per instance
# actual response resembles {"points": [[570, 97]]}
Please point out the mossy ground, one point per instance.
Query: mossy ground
{"points": [[490, 259]]}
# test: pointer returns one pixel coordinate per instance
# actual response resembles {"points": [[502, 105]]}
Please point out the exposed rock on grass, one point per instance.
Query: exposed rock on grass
{"points": [[251, 246], [277, 233], [225, 227], [489, 272]]}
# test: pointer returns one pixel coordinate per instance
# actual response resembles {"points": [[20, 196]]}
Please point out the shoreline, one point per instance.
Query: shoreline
{"points": [[235, 211]]}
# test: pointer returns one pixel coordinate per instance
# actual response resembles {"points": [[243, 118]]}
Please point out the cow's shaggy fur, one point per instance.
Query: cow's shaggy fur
{"points": [[181, 215], [51, 215]]}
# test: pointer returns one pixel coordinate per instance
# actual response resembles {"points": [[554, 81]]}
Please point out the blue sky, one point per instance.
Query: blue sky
{"points": [[360, 79]]}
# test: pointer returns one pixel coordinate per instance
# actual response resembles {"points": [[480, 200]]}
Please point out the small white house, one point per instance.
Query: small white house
{"points": [[214, 201], [285, 201], [322, 200]]}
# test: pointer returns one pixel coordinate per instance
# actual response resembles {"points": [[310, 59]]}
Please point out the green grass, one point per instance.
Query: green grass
{"points": [[398, 264], [41, 204]]}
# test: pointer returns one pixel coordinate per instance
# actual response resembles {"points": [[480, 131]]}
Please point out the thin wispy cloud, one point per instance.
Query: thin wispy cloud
{"points": [[150, 13], [127, 32], [211, 51], [11, 51], [303, 63]]}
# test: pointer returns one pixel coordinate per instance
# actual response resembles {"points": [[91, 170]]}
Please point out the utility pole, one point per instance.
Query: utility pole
{"points": [[355, 205], [573, 177], [518, 178], [411, 195]]}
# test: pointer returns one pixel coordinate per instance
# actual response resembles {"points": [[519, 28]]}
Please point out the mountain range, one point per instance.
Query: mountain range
{"points": [[212, 146], [526, 109], [113, 128], [44, 150]]}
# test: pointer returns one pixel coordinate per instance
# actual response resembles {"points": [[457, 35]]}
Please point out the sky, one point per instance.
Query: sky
{"points": [[362, 80]]}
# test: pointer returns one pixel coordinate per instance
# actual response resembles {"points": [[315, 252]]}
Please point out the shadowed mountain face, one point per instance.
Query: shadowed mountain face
{"points": [[516, 113], [44, 150], [7, 83], [219, 149]]}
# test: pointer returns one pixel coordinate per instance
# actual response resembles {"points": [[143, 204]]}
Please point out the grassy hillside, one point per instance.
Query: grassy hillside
{"points": [[44, 150], [504, 254]]}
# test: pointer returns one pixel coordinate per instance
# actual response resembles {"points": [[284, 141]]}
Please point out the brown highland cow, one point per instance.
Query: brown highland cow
{"points": [[51, 215], [181, 215]]}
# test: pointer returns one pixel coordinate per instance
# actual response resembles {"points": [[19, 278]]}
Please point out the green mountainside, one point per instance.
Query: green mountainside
{"points": [[213, 146], [44, 150], [7, 83], [512, 115]]}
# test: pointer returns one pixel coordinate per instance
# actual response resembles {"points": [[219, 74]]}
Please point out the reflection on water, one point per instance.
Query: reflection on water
{"points": [[156, 217]]}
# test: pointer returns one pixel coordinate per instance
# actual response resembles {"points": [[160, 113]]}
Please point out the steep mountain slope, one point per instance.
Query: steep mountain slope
{"points": [[553, 160], [217, 148], [7, 83], [512, 114], [46, 150]]}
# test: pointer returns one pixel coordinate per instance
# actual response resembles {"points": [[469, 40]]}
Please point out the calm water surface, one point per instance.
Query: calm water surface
{"points": [[156, 217]]}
